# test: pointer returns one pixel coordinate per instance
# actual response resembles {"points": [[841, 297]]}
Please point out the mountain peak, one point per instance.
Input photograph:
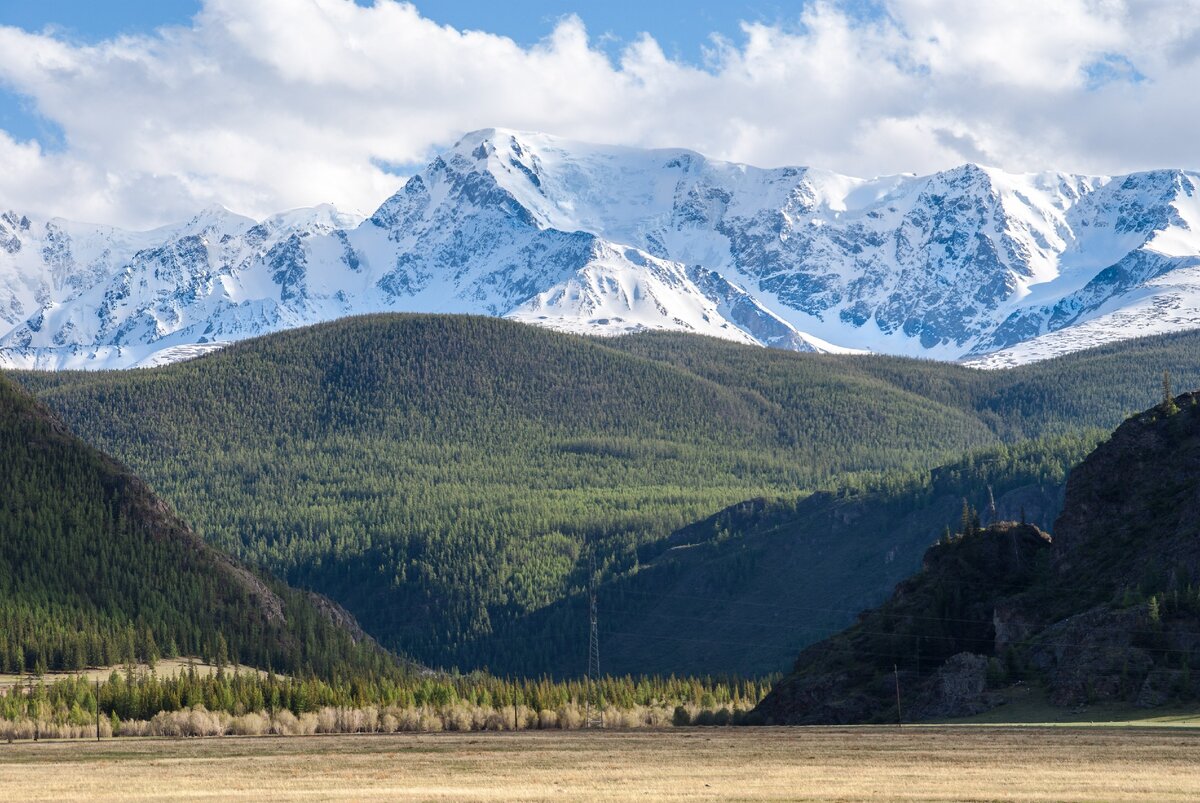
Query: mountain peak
{"points": [[491, 140], [322, 217], [216, 218], [968, 261]]}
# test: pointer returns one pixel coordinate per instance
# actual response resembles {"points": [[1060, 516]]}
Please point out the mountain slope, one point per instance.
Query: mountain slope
{"points": [[965, 263], [442, 476], [1108, 610], [95, 570], [743, 590]]}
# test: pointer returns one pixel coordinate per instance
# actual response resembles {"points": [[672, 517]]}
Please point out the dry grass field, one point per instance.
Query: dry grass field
{"points": [[751, 764]]}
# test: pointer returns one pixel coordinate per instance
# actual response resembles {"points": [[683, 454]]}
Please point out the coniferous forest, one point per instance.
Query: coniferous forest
{"points": [[96, 571], [457, 483]]}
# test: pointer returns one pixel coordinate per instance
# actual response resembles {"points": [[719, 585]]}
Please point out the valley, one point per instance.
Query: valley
{"points": [[447, 479], [599, 401]]}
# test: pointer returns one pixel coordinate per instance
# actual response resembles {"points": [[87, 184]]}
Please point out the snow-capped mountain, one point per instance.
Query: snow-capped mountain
{"points": [[971, 263]]}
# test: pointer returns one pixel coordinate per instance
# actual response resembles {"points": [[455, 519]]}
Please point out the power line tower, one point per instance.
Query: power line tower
{"points": [[593, 718]]}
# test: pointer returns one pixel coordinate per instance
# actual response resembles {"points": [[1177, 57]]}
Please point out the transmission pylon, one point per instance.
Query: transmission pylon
{"points": [[593, 717]]}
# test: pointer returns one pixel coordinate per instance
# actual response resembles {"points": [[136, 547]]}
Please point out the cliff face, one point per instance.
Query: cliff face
{"points": [[1133, 507], [1109, 610]]}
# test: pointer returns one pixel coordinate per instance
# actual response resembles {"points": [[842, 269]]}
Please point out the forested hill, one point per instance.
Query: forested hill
{"points": [[95, 570], [444, 477], [1109, 610], [743, 590]]}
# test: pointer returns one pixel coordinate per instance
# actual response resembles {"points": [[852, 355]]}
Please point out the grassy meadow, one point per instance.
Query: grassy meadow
{"points": [[748, 764]]}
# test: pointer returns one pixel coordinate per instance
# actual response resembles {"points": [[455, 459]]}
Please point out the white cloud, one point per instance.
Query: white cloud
{"points": [[269, 104]]}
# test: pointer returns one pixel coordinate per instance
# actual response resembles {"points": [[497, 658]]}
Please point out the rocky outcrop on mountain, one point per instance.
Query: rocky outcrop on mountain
{"points": [[970, 263], [1110, 610]]}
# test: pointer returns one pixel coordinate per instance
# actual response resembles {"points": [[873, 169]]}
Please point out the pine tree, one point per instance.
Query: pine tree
{"points": [[1168, 403]]}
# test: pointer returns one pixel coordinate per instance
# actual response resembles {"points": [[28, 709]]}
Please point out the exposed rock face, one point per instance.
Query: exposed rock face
{"points": [[1035, 504], [1091, 656], [338, 615], [1159, 687], [1013, 625], [958, 689], [1137, 495], [1109, 611]]}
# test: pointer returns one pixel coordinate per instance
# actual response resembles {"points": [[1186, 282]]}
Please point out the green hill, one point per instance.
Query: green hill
{"points": [[446, 478], [95, 570]]}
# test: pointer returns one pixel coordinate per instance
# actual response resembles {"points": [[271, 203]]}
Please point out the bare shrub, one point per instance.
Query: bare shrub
{"points": [[430, 721], [570, 717], [457, 718], [284, 723], [135, 727], [327, 720], [254, 724], [307, 724]]}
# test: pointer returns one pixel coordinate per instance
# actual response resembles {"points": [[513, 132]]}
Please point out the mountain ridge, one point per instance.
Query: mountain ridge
{"points": [[969, 263]]}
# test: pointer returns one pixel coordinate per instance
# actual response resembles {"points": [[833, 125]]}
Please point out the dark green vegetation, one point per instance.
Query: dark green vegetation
{"points": [[95, 570], [747, 587], [1108, 611], [447, 479]]}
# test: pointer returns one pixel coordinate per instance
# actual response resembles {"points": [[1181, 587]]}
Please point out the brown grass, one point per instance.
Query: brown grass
{"points": [[753, 764], [165, 667]]}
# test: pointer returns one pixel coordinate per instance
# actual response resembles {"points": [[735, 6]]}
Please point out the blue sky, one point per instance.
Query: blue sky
{"points": [[682, 34], [79, 20], [263, 105], [95, 19]]}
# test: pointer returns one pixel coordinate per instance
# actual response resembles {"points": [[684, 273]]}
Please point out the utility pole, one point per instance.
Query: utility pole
{"points": [[97, 709], [899, 716]]}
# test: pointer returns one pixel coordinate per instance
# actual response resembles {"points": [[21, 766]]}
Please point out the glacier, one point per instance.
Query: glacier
{"points": [[970, 264]]}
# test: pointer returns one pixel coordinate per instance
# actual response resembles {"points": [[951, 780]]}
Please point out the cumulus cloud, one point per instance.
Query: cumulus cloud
{"points": [[264, 105]]}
